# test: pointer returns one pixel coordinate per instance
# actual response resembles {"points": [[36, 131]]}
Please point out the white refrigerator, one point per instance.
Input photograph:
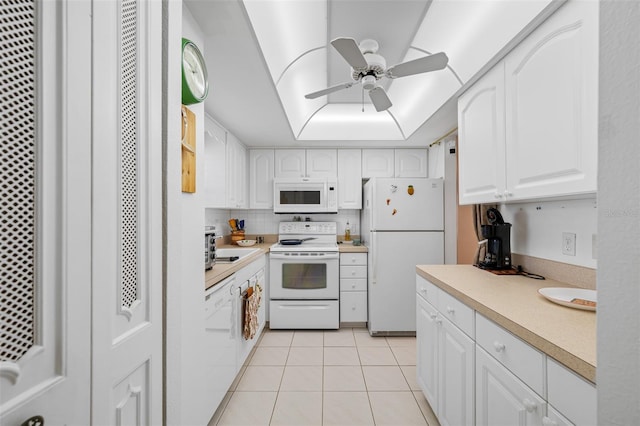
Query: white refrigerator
{"points": [[402, 223]]}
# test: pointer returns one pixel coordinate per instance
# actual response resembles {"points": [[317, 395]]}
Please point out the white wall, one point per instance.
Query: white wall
{"points": [[184, 233], [618, 373], [537, 229]]}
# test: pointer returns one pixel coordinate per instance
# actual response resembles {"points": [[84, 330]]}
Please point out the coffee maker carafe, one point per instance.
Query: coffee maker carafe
{"points": [[498, 237]]}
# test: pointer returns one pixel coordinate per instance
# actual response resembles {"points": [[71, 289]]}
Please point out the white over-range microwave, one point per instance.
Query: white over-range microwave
{"points": [[305, 195]]}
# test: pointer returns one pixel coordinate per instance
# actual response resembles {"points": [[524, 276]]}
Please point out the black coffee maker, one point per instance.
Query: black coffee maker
{"points": [[498, 236]]}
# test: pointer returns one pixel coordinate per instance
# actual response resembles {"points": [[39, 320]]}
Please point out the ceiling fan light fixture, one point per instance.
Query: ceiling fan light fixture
{"points": [[368, 82]]}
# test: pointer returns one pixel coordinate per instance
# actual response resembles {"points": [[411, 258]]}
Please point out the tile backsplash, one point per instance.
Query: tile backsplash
{"points": [[266, 222]]}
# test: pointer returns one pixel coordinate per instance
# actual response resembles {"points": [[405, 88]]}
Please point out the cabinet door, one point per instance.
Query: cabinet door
{"points": [[427, 350], [377, 163], [322, 163], [349, 179], [236, 173], [481, 140], [215, 146], [501, 398], [410, 163], [261, 169], [353, 306], [456, 367], [552, 106], [290, 163]]}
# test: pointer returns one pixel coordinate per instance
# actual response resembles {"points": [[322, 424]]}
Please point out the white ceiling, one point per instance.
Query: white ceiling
{"points": [[243, 97]]}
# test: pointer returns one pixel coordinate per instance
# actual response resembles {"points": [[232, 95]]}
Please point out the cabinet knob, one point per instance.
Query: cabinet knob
{"points": [[450, 310], [353, 273], [353, 286], [499, 347], [529, 405], [433, 316], [353, 308], [546, 421], [497, 196]]}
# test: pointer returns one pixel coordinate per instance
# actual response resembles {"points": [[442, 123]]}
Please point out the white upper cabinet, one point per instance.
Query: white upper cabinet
{"points": [[377, 163], [552, 106], [349, 179], [410, 163], [214, 164], [290, 163], [532, 134], [236, 167], [261, 171], [481, 137], [401, 162], [322, 163], [306, 163]]}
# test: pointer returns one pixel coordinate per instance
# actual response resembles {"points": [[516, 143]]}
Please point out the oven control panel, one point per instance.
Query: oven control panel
{"points": [[308, 228]]}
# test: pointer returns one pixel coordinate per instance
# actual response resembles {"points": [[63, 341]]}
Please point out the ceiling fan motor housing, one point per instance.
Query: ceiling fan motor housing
{"points": [[376, 67]]}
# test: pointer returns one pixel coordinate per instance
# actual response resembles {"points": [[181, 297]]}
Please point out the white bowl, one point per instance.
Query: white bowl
{"points": [[246, 243]]}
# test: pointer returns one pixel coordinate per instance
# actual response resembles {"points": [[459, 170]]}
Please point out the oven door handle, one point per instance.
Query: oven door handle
{"points": [[298, 258]]}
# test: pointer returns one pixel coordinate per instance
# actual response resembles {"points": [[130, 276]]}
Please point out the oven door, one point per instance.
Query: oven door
{"points": [[304, 275]]}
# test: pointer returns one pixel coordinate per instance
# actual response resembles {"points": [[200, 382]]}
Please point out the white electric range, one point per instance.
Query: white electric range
{"points": [[304, 287]]}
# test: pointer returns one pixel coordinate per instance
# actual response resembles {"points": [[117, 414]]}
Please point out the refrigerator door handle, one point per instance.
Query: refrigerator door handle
{"points": [[374, 258]]}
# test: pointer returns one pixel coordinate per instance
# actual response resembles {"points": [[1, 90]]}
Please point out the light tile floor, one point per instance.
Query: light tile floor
{"points": [[341, 377]]}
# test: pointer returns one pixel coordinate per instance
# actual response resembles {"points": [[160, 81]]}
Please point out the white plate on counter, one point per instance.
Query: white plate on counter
{"points": [[578, 298]]}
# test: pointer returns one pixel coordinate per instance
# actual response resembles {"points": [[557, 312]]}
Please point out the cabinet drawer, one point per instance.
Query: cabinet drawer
{"points": [[522, 359], [427, 290], [353, 259], [571, 395], [353, 272], [353, 306], [353, 284], [457, 312]]}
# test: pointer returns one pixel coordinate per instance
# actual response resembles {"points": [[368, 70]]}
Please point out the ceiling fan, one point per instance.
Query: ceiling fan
{"points": [[368, 67]]}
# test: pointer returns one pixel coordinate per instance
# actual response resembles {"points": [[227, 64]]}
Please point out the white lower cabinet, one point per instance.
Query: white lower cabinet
{"points": [[353, 287], [445, 367], [502, 398], [509, 383]]}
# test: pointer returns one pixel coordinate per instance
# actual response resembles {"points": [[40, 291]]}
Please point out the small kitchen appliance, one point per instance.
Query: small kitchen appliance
{"points": [[498, 240], [210, 247], [402, 223], [304, 277]]}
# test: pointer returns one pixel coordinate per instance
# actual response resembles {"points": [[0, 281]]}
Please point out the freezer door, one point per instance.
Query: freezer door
{"points": [[392, 277], [407, 204]]}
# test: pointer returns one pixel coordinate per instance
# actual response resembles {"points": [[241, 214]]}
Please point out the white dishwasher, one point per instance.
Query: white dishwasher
{"points": [[220, 340]]}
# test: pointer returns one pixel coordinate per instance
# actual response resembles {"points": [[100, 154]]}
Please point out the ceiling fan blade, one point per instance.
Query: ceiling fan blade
{"points": [[348, 48], [328, 90], [429, 63], [380, 99]]}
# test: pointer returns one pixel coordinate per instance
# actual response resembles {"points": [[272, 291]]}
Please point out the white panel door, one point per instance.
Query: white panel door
{"points": [[427, 370], [411, 163], [45, 277], [552, 106], [261, 169], [501, 398], [349, 179], [456, 361], [322, 163], [290, 163], [127, 214], [481, 140], [408, 204], [377, 163]]}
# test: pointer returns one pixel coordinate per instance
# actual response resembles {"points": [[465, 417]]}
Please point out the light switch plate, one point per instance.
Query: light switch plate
{"points": [[569, 243]]}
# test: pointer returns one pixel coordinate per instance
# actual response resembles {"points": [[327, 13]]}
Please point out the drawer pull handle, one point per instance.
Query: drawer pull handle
{"points": [[546, 421], [450, 310], [499, 347], [529, 405]]}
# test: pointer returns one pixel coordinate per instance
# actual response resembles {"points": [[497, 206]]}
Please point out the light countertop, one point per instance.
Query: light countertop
{"points": [[565, 334]]}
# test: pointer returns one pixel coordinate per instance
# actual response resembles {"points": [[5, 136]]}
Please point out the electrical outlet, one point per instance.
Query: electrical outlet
{"points": [[569, 243]]}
